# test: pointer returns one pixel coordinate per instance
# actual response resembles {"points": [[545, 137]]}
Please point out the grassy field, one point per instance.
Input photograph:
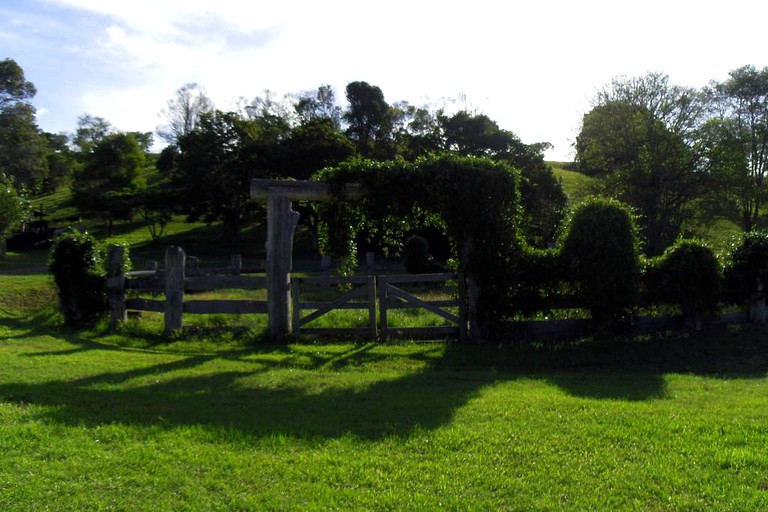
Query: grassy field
{"points": [[217, 419], [88, 422]]}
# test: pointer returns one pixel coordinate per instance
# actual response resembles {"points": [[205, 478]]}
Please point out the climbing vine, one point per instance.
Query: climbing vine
{"points": [[475, 201]]}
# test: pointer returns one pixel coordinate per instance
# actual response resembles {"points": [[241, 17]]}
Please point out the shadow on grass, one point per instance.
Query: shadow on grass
{"points": [[310, 400], [230, 400]]}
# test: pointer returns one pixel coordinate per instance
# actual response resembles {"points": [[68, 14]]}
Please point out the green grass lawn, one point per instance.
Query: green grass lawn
{"points": [[676, 422]]}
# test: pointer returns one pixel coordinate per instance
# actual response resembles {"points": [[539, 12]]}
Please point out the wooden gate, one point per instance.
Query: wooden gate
{"points": [[394, 297], [364, 294], [363, 287]]}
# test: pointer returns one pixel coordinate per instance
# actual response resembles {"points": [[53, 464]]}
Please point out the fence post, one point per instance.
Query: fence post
{"points": [[757, 310], [382, 293], [372, 306], [175, 259], [236, 263], [116, 285], [296, 299], [281, 225], [463, 335]]}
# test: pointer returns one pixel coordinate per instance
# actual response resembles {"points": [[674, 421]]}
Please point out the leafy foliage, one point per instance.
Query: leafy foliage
{"points": [[76, 262], [642, 162], [22, 146], [738, 146], [214, 168], [687, 274], [474, 200], [747, 268], [600, 252], [13, 207], [104, 185]]}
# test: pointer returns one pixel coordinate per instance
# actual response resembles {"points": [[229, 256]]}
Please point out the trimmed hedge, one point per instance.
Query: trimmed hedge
{"points": [[599, 256], [747, 268], [77, 263], [687, 274]]}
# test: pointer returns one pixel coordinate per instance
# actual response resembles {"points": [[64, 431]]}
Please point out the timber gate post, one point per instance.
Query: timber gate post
{"points": [[175, 259], [116, 285], [281, 224]]}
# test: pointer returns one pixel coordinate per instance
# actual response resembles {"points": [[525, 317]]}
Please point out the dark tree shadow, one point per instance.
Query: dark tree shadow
{"points": [[426, 399]]}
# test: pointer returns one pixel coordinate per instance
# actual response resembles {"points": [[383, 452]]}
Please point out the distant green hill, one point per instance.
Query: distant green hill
{"points": [[576, 185]]}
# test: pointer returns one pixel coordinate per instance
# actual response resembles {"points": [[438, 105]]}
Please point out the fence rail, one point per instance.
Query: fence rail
{"points": [[363, 287], [363, 294], [393, 297], [378, 295]]}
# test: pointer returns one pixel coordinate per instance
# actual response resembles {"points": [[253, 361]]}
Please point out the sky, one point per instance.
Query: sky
{"points": [[531, 66]]}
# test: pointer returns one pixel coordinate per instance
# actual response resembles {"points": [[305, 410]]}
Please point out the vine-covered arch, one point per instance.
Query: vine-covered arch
{"points": [[474, 200]]}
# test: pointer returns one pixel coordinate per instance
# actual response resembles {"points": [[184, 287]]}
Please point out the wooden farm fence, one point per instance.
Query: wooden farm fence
{"points": [[173, 282]]}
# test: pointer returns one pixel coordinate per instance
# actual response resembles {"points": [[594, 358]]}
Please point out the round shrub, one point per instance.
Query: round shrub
{"points": [[747, 267], [76, 265], [600, 254], [687, 274]]}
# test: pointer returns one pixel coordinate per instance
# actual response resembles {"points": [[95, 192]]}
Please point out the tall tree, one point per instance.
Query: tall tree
{"points": [[638, 141], [22, 146], [313, 145], [214, 167], [61, 161], [369, 120], [740, 146], [14, 87], [542, 195], [91, 130], [183, 111], [317, 105], [103, 187]]}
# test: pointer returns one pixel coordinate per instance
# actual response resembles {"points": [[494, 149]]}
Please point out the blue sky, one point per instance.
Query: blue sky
{"points": [[531, 66]]}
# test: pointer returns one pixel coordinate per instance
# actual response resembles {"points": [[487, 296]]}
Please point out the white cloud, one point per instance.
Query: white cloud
{"points": [[532, 66]]}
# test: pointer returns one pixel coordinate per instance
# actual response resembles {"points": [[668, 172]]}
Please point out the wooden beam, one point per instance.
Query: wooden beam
{"points": [[300, 190]]}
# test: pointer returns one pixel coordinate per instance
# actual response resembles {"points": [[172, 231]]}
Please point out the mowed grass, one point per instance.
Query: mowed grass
{"points": [[86, 424]]}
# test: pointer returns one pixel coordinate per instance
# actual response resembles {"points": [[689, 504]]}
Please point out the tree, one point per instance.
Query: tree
{"points": [[61, 161], [738, 143], [91, 130], [369, 120], [13, 209], [317, 105], [313, 145], [638, 141], [214, 168], [22, 146], [183, 112], [419, 132], [14, 87], [103, 187], [543, 198]]}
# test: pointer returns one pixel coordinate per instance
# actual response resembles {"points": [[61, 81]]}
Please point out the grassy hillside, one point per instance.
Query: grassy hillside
{"points": [[577, 186]]}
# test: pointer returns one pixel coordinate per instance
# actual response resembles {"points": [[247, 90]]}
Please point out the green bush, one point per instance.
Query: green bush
{"points": [[599, 254], [76, 263], [687, 274], [747, 266], [534, 276]]}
